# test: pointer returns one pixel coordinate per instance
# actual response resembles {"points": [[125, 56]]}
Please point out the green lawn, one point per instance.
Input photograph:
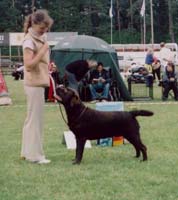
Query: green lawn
{"points": [[106, 173]]}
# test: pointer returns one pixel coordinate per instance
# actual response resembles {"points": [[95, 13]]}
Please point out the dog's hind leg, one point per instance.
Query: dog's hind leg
{"points": [[143, 150], [139, 147], [135, 140], [79, 150], [136, 146]]}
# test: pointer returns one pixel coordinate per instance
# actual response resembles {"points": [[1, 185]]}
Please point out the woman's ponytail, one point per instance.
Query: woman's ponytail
{"points": [[28, 23]]}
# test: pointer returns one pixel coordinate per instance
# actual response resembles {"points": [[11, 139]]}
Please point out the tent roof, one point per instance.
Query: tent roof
{"points": [[84, 47], [83, 43]]}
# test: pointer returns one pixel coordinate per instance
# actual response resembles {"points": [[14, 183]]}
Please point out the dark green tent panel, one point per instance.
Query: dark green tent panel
{"points": [[83, 47]]}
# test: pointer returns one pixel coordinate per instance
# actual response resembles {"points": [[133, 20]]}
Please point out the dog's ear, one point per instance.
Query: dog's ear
{"points": [[75, 100], [75, 93]]}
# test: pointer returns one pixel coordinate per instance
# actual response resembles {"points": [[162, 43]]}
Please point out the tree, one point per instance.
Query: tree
{"points": [[91, 17], [118, 22], [161, 23], [171, 30], [9, 17], [131, 14]]}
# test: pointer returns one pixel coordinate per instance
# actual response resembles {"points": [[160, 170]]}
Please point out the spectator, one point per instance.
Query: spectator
{"points": [[165, 55], [18, 72], [169, 81], [99, 80], [128, 70], [55, 74], [76, 71], [133, 65], [149, 60], [156, 67]]}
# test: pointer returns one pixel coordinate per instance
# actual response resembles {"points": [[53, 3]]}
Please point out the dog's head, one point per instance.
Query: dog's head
{"points": [[67, 96]]}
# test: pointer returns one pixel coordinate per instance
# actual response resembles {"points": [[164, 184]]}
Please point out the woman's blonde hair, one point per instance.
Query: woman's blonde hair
{"points": [[38, 17]]}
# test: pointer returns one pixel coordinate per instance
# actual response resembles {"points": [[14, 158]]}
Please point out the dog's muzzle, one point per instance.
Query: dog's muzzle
{"points": [[56, 96]]}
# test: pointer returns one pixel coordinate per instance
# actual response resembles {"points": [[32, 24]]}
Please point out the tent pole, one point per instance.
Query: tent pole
{"points": [[111, 16], [82, 54], [123, 90]]}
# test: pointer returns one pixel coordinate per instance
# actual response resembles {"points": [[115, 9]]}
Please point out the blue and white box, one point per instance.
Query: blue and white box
{"points": [[108, 106]]}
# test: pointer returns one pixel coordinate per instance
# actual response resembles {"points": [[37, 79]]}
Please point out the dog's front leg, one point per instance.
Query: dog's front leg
{"points": [[79, 150]]}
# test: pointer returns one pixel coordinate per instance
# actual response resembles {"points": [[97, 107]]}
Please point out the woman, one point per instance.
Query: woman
{"points": [[148, 64], [149, 60], [36, 78]]}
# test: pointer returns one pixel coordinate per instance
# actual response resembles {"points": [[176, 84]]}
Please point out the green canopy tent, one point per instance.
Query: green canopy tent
{"points": [[82, 47]]}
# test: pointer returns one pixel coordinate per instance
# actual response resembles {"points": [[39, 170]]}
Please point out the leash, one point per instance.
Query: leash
{"points": [[53, 85], [62, 115], [81, 114], [54, 94]]}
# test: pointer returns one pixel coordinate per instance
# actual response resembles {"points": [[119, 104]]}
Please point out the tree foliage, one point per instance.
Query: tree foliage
{"points": [[91, 17]]}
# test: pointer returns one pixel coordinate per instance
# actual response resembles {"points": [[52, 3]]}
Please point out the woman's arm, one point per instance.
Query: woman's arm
{"points": [[31, 59]]}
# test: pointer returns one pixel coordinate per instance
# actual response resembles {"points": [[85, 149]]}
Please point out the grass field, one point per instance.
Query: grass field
{"points": [[106, 173]]}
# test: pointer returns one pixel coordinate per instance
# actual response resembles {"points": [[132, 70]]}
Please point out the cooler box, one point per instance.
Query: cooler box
{"points": [[110, 106]]}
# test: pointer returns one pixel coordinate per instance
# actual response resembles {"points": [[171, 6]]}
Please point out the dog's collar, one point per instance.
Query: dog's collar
{"points": [[83, 111], [78, 118]]}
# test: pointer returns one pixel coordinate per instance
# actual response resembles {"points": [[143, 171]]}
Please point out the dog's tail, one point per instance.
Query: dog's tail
{"points": [[136, 113]]}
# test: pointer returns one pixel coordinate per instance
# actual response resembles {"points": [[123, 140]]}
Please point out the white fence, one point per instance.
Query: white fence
{"points": [[129, 53]]}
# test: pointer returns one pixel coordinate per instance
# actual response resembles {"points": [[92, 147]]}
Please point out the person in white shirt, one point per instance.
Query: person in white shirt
{"points": [[165, 55]]}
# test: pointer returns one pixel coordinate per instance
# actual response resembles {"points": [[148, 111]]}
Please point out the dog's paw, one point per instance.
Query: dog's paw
{"points": [[143, 160], [75, 162]]}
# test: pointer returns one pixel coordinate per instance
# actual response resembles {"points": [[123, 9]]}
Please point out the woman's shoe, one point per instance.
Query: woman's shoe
{"points": [[22, 158], [44, 161]]}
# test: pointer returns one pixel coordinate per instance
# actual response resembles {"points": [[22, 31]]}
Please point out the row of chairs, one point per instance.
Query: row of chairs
{"points": [[141, 87]]}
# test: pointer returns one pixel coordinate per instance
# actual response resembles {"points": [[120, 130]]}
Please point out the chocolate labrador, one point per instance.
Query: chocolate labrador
{"points": [[90, 124]]}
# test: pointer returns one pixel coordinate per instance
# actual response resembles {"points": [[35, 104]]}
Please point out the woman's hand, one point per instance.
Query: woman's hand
{"points": [[44, 48], [31, 59]]}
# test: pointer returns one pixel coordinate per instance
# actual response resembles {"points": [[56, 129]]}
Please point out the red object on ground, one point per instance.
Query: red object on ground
{"points": [[3, 87]]}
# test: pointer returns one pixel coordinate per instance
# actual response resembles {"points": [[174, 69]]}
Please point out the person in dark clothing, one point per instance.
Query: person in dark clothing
{"points": [[76, 71], [156, 66], [18, 72], [99, 81], [169, 81]]}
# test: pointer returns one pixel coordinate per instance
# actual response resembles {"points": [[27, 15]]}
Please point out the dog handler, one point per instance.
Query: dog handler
{"points": [[76, 71], [36, 78]]}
